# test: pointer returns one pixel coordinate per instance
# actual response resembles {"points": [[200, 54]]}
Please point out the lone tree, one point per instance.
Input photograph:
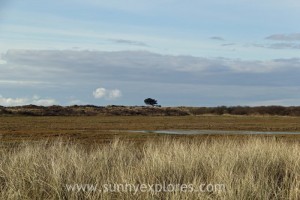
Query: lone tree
{"points": [[150, 101]]}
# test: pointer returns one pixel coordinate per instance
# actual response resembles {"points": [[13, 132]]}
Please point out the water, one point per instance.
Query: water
{"points": [[211, 132]]}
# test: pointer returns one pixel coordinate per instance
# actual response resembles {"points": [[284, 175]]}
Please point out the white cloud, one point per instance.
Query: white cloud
{"points": [[114, 94], [44, 102], [35, 100], [99, 93], [107, 94], [13, 102]]}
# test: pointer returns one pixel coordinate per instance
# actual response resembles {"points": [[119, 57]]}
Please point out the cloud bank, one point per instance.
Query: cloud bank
{"points": [[49, 62], [285, 37], [64, 73], [282, 45], [35, 100]]}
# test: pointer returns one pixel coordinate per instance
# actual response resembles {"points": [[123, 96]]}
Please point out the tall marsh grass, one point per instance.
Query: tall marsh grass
{"points": [[251, 169]]}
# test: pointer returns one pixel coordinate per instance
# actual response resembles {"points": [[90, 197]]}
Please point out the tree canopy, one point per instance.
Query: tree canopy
{"points": [[150, 101]]}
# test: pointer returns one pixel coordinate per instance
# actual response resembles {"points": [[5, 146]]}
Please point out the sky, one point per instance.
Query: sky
{"points": [[182, 53]]}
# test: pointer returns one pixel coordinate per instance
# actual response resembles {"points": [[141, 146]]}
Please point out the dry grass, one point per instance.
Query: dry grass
{"points": [[255, 168], [99, 128]]}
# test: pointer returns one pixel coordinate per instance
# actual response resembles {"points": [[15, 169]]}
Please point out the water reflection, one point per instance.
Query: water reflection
{"points": [[196, 132]]}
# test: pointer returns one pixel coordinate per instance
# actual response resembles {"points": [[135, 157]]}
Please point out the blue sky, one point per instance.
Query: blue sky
{"points": [[195, 53]]}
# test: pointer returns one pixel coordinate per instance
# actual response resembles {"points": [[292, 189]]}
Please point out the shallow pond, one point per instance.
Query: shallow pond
{"points": [[216, 132]]}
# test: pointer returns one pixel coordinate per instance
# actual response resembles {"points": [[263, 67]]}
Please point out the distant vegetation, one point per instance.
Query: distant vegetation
{"points": [[249, 169], [246, 110], [115, 110], [150, 101]]}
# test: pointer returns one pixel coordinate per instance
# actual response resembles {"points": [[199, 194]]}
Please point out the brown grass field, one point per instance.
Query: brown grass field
{"points": [[104, 128], [67, 157]]}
